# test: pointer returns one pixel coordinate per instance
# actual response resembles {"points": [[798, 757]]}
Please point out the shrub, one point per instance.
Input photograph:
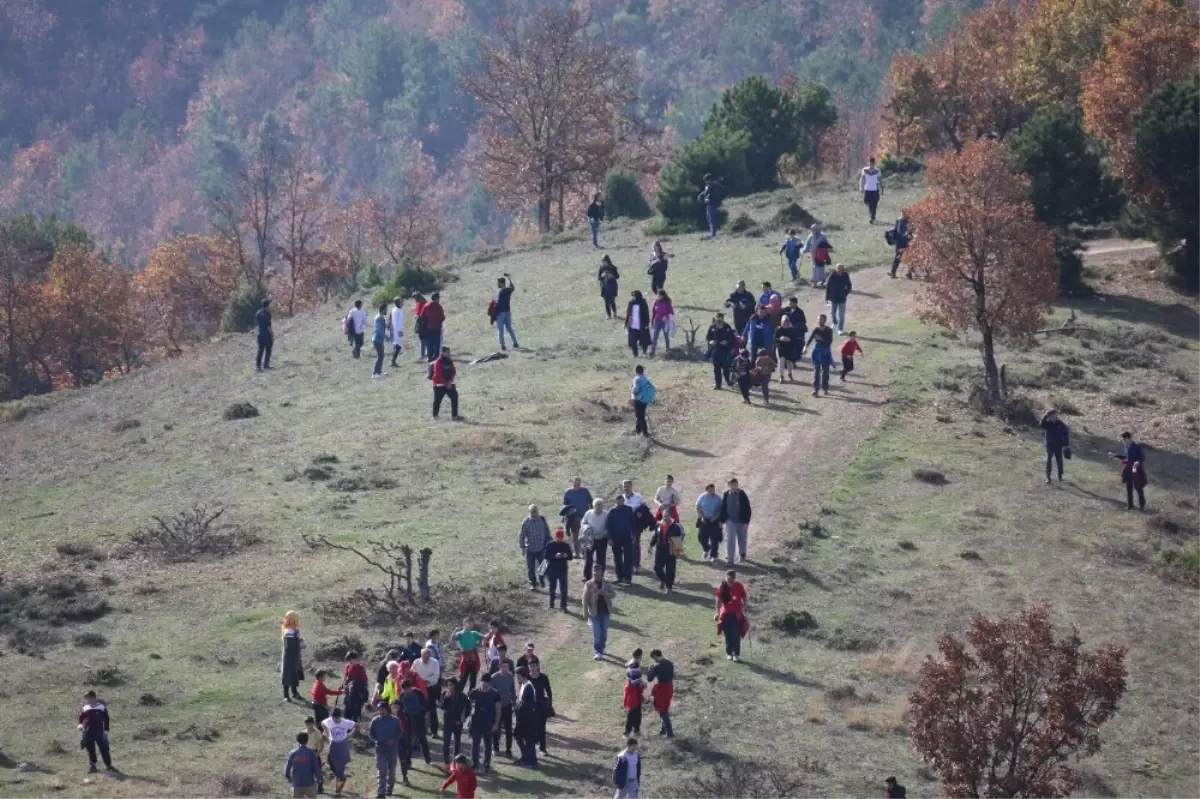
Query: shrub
{"points": [[720, 153], [749, 779], [126, 424], [404, 280], [19, 410], [623, 196], [902, 165], [793, 622], [743, 224], [1185, 560], [336, 648], [93, 640], [1131, 399], [1172, 524], [149, 700], [76, 549], [238, 316], [792, 216], [239, 785], [32, 642], [1064, 406], [931, 476], [906, 545], [240, 410], [190, 534], [363, 484], [105, 676]]}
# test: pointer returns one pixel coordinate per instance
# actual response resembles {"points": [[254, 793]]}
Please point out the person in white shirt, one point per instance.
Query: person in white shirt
{"points": [[870, 183], [397, 329], [356, 326], [594, 528], [634, 499], [627, 771], [666, 494], [337, 730]]}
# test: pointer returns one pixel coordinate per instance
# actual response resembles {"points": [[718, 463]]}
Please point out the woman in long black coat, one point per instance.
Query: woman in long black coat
{"points": [[667, 531], [608, 277], [291, 668], [637, 323]]}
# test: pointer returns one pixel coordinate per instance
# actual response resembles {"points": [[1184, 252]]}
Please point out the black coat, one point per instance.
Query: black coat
{"points": [[1057, 434], [798, 320], [837, 287], [745, 508], [608, 287], [555, 564]]}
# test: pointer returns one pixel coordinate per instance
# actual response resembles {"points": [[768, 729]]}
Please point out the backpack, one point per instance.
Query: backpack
{"points": [[889, 236], [675, 545], [647, 393]]}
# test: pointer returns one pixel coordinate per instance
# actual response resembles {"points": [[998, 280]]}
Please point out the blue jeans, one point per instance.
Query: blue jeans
{"points": [[600, 632], [504, 322], [710, 211], [659, 327], [837, 315], [594, 224], [793, 268]]}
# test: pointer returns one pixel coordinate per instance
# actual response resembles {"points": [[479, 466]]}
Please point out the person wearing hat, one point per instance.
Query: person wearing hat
{"points": [[387, 735], [558, 555], [576, 501], [291, 666], [532, 541], [528, 656], [662, 674]]}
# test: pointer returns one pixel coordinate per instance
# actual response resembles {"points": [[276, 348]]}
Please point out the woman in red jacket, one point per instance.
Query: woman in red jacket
{"points": [[731, 620]]}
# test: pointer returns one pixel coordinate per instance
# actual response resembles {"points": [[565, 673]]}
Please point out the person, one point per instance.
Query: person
{"points": [[768, 294], [893, 789], [545, 700], [659, 263], [397, 329], [743, 368], [378, 338], [462, 776], [337, 730], [455, 709], [468, 640], [900, 236], [594, 538], [411, 650], [620, 523], [637, 323], [93, 726], [731, 618], [503, 310], [667, 545], [662, 675], [528, 656], [848, 348], [432, 322], [387, 734], [632, 699], [302, 769], [320, 694], [266, 338], [532, 541], [710, 195], [641, 396], [384, 671], [791, 250], [595, 214], [662, 320], [429, 670], [1057, 439], [316, 742], [764, 367], [721, 339], [485, 721], [391, 686], [419, 303], [758, 333], [708, 522], [442, 374], [413, 703], [787, 348], [735, 515], [598, 596], [742, 303], [558, 557], [837, 288], [504, 683], [627, 771], [291, 668], [818, 246], [821, 354], [795, 314], [527, 719], [354, 683], [667, 493], [577, 501], [609, 279], [356, 325], [870, 183], [1133, 470], [493, 641]]}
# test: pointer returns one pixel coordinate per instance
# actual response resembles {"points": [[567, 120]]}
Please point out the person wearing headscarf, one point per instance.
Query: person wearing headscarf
{"points": [[788, 341], [558, 556], [609, 279], [291, 667], [637, 323], [666, 544]]}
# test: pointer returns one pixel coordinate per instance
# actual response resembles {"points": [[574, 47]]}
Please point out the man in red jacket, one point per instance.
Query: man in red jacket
{"points": [[432, 317], [442, 374]]}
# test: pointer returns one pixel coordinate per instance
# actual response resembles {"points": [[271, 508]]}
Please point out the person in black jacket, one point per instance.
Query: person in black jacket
{"points": [[794, 312], [93, 728], [900, 236], [743, 304], [637, 323], [608, 277], [558, 555], [595, 213], [455, 709], [1133, 469], [1057, 440], [722, 338], [545, 702], [893, 789], [735, 515], [658, 268], [837, 288], [266, 338]]}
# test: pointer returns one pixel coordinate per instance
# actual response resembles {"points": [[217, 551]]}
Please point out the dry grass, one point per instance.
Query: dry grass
{"points": [[901, 662]]}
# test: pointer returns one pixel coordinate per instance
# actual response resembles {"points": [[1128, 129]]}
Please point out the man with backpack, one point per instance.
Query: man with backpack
{"points": [[642, 394], [442, 374], [627, 771], [429, 325], [899, 236], [791, 250], [503, 310], [355, 325]]}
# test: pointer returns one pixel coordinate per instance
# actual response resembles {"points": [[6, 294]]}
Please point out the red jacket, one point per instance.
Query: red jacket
{"points": [[321, 693], [434, 315], [443, 371], [634, 694], [849, 347], [355, 672], [463, 781]]}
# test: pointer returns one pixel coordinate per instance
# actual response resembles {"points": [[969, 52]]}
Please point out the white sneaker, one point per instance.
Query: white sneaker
{"points": [[840, 333], [729, 657], [597, 656], [737, 659]]}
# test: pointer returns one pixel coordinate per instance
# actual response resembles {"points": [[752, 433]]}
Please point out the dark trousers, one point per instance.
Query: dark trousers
{"points": [[506, 726], [532, 560], [433, 344], [657, 283], [664, 569], [355, 699], [639, 414], [622, 552], [263, 359], [821, 374], [896, 261], [320, 713], [597, 555], [1056, 454], [435, 689], [610, 307], [721, 363], [378, 358], [744, 382], [871, 198], [709, 534], [541, 733], [636, 342], [732, 627], [1130, 488], [451, 743], [481, 742], [395, 353], [527, 743], [440, 392], [416, 735], [847, 365], [467, 681], [633, 720], [558, 580], [356, 344], [93, 741]]}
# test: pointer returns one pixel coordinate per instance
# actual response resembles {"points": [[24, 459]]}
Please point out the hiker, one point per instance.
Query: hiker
{"points": [[576, 502], [527, 719], [870, 183], [397, 329], [381, 675], [627, 771], [266, 338], [468, 640], [632, 498], [545, 701], [632, 698], [1057, 439], [595, 213], [455, 709], [609, 279], [821, 354], [485, 721], [764, 367], [818, 246], [431, 321], [641, 396], [504, 683], [900, 236], [788, 342], [659, 262], [594, 538], [291, 668], [768, 294], [731, 617], [743, 367], [429, 670], [442, 374], [493, 641], [93, 725], [847, 350], [378, 338], [667, 545], [837, 288], [503, 310], [667, 494], [758, 333], [302, 770], [619, 524], [419, 303], [662, 320], [708, 522], [436, 650], [598, 596], [795, 314], [411, 650], [637, 323], [742, 303], [414, 718], [1133, 469], [527, 657], [354, 683], [735, 515], [337, 730], [791, 250], [316, 742], [710, 195], [355, 325], [462, 776], [662, 675], [558, 556], [532, 540], [391, 685], [721, 339], [388, 735], [893, 789], [320, 694]]}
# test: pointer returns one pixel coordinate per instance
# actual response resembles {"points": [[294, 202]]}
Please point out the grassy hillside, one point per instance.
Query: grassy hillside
{"points": [[202, 638]]}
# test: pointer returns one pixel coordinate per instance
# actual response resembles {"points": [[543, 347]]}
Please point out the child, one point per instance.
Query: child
{"points": [[462, 777], [320, 698], [93, 727], [635, 693], [316, 742], [337, 730], [849, 347], [493, 640]]}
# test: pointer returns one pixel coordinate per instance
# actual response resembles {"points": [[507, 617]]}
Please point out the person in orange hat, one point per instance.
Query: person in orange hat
{"points": [[558, 555]]}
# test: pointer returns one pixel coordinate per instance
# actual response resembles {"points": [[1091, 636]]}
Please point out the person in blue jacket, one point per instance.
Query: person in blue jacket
{"points": [[759, 334], [620, 527], [791, 250]]}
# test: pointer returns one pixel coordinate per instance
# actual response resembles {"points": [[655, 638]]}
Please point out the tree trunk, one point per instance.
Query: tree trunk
{"points": [[423, 574], [543, 213], [991, 372], [408, 585]]}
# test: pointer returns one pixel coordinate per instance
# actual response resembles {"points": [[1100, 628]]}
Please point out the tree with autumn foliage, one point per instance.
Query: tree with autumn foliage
{"points": [[1000, 714], [404, 219], [556, 102], [300, 226], [990, 262], [183, 289]]}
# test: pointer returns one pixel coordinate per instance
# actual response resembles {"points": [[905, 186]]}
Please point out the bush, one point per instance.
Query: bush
{"points": [[106, 676], [190, 534], [902, 165], [93, 640], [718, 152], [240, 410], [404, 280], [931, 476], [793, 622], [743, 224], [238, 316], [126, 424], [239, 785], [793, 216], [623, 196]]}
